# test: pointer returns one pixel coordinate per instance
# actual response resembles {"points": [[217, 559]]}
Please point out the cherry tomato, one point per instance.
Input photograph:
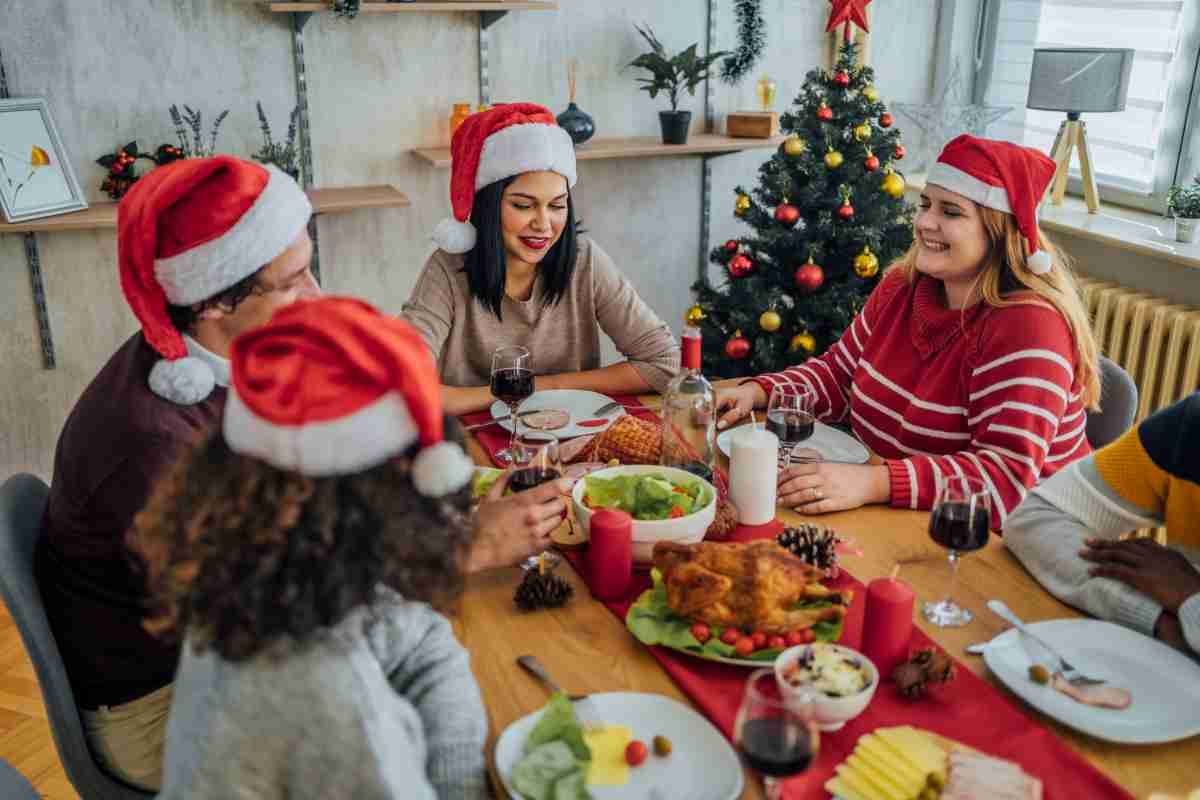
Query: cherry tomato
{"points": [[794, 638], [776, 643], [701, 632], [744, 646], [760, 640], [808, 636], [730, 636], [635, 753]]}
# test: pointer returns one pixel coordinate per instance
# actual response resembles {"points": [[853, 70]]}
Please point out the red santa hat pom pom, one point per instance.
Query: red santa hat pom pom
{"points": [[442, 469], [505, 141], [185, 381]]}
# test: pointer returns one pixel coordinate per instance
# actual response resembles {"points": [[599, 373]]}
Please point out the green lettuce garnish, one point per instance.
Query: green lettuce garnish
{"points": [[483, 481], [559, 722], [651, 496], [556, 757]]}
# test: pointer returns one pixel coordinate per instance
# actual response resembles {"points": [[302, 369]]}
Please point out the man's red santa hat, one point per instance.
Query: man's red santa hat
{"points": [[1003, 176], [496, 144], [188, 231], [332, 387]]}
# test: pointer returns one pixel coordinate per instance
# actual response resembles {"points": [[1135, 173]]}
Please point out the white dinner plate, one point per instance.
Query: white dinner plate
{"points": [[832, 444], [702, 764], [581, 405], [1165, 684]]}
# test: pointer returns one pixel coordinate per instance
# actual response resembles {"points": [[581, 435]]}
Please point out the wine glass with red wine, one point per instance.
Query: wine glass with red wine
{"points": [[512, 384], [535, 460], [960, 522], [790, 417], [777, 735]]}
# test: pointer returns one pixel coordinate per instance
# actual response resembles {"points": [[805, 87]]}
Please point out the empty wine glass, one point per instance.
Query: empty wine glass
{"points": [[777, 735], [960, 522], [535, 460], [512, 383], [790, 417]]}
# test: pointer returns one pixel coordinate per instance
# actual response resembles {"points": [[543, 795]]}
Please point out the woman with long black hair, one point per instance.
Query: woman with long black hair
{"points": [[519, 273]]}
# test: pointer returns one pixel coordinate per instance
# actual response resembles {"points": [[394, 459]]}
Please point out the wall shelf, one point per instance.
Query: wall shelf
{"points": [[396, 8], [699, 144], [325, 201]]}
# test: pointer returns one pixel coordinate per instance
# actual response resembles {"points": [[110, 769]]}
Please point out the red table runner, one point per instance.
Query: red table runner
{"points": [[969, 710]]}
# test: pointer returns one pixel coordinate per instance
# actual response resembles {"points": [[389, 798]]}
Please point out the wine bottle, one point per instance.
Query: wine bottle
{"points": [[689, 415]]}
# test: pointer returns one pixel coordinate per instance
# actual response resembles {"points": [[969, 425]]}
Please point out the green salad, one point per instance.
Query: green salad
{"points": [[650, 496], [483, 481], [653, 622], [556, 759]]}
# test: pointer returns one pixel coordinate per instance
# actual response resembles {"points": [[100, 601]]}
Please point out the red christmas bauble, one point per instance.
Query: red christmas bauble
{"points": [[842, 79], [871, 164], [825, 112], [885, 120], [739, 265], [809, 277], [787, 213], [845, 211], [899, 152], [738, 347], [731, 246]]}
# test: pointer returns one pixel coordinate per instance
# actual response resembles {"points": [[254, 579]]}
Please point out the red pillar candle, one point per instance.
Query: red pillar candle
{"points": [[888, 623], [610, 553]]}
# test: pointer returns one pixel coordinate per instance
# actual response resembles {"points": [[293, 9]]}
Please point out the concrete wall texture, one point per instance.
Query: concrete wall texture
{"points": [[378, 87]]}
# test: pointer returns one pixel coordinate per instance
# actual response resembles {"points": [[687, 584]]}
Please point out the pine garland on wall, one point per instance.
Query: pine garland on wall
{"points": [[752, 38]]}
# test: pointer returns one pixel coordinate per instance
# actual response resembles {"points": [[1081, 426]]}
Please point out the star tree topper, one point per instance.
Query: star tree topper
{"points": [[850, 12]]}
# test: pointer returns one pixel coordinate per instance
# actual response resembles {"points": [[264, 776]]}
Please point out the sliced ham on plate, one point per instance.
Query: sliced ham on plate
{"points": [[1099, 695]]}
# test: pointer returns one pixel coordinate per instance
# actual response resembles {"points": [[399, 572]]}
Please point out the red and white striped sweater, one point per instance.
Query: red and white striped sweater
{"points": [[989, 392]]}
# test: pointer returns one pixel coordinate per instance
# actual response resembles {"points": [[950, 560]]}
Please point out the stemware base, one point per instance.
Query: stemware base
{"points": [[947, 614]]}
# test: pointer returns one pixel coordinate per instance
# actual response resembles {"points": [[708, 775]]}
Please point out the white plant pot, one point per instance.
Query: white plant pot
{"points": [[1185, 229]]}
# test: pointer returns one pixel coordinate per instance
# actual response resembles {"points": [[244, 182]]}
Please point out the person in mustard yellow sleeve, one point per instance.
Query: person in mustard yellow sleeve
{"points": [[1067, 531]]}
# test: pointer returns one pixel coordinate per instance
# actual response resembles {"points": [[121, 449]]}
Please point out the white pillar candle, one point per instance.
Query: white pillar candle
{"points": [[753, 462]]}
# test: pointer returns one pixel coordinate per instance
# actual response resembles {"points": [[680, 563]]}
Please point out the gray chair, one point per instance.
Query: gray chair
{"points": [[1118, 405], [22, 500], [13, 785]]}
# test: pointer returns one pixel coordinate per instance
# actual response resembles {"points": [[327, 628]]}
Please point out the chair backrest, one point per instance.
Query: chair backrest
{"points": [[22, 501], [1118, 405], [13, 785]]}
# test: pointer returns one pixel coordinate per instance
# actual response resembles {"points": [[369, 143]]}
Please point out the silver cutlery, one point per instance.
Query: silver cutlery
{"points": [[614, 405], [1069, 673], [497, 420], [535, 668]]}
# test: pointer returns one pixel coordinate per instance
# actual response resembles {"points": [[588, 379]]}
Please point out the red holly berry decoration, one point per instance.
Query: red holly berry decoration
{"points": [[871, 163], [885, 120], [731, 246], [809, 277], [845, 210], [899, 152], [787, 213], [739, 265], [824, 113], [738, 347], [842, 79]]}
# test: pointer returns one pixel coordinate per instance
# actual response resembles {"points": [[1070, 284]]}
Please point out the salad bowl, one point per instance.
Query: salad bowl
{"points": [[686, 529]]}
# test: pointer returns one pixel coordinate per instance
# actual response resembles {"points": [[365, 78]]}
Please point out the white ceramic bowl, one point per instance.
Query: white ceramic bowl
{"points": [[831, 712], [685, 530]]}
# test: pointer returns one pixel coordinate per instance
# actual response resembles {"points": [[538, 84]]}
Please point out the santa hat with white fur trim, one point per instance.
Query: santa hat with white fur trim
{"points": [[1000, 175], [332, 387], [188, 231], [492, 145]]}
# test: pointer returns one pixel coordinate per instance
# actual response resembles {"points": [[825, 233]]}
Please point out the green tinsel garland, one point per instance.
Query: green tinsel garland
{"points": [[752, 38]]}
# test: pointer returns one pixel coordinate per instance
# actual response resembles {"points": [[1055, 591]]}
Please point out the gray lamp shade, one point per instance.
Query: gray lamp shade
{"points": [[1075, 79]]}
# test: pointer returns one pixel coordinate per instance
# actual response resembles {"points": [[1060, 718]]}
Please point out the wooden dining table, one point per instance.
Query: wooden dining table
{"points": [[588, 649]]}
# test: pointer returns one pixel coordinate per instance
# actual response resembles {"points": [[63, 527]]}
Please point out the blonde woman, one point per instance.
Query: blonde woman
{"points": [[974, 355]]}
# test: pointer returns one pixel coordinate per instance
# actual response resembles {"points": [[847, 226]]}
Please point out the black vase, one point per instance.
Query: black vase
{"points": [[675, 126], [577, 123]]}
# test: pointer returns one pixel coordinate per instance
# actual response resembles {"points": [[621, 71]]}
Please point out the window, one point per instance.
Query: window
{"points": [[1136, 153]]}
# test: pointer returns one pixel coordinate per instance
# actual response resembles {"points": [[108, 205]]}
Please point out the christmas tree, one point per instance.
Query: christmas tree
{"points": [[828, 212]]}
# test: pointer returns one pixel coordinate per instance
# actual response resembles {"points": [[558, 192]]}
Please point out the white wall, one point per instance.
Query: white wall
{"points": [[378, 86]]}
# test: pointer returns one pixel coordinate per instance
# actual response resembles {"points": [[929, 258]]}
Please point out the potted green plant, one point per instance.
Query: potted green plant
{"points": [[670, 75], [1183, 203]]}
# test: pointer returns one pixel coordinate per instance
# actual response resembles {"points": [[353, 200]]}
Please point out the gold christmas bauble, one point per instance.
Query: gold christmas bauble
{"points": [[794, 146], [803, 341], [870, 93], [742, 205], [893, 184], [866, 264], [833, 159], [694, 315], [862, 132], [770, 320]]}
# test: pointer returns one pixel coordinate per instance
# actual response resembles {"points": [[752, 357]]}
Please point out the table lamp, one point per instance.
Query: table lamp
{"points": [[1075, 80]]}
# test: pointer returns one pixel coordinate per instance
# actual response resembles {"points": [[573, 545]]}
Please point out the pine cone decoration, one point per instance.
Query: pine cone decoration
{"points": [[813, 545], [542, 590], [927, 667]]}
